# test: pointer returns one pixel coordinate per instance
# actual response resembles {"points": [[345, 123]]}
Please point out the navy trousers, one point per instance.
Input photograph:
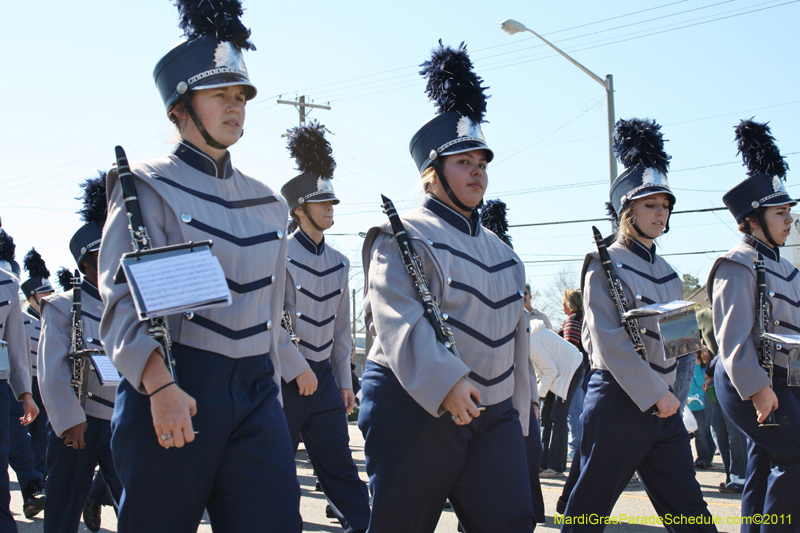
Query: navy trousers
{"points": [[416, 461], [320, 419], [240, 465], [20, 454], [71, 474], [7, 524], [533, 450], [773, 465], [38, 432], [618, 440]]}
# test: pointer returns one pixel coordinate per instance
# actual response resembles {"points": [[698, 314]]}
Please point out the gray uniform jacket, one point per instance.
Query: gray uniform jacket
{"points": [[13, 332], [478, 282], [646, 279], [185, 197], [55, 368], [318, 302], [33, 328], [734, 297]]}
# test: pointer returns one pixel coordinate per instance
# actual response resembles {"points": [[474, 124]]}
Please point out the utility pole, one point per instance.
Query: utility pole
{"points": [[301, 106]]}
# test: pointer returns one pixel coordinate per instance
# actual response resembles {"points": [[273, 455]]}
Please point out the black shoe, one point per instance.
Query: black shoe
{"points": [[91, 515], [33, 505], [702, 465], [329, 512], [561, 505]]}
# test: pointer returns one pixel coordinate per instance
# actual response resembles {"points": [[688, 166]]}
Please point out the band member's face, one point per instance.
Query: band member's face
{"points": [[466, 174], [222, 113], [321, 212], [651, 214], [779, 222]]}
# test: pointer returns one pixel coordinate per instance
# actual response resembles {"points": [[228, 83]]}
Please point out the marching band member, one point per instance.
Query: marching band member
{"points": [[621, 435], [239, 466], [14, 368], [317, 382], [426, 439], [746, 392], [80, 436]]}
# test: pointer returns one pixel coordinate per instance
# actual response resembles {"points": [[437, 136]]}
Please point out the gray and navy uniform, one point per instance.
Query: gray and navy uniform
{"points": [[33, 328], [12, 331], [621, 435], [38, 428], [773, 465], [416, 455], [71, 471], [317, 300], [226, 358]]}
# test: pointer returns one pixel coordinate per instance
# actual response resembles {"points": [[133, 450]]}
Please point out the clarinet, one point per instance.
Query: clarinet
{"points": [[413, 265], [140, 240], [765, 348], [286, 322], [77, 356]]}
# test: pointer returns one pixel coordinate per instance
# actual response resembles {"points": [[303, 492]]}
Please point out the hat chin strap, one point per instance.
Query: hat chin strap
{"points": [[764, 228], [187, 103], [450, 194], [310, 218]]}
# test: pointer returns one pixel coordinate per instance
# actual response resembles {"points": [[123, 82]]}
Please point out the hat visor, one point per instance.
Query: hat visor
{"points": [[656, 189], [468, 146], [780, 200], [323, 197], [227, 80]]}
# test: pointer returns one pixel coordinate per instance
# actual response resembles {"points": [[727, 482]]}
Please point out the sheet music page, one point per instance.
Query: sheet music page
{"points": [[106, 371], [657, 309], [783, 339], [178, 283]]}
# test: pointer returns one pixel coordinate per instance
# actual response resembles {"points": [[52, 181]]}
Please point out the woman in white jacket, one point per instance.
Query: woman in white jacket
{"points": [[559, 370]]}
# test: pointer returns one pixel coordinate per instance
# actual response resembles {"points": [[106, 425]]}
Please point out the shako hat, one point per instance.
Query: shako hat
{"points": [[93, 213], [211, 54], [39, 275], [7, 252], [639, 146], [766, 172], [461, 103], [312, 152]]}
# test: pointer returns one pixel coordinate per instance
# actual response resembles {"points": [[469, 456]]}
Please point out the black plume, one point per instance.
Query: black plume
{"points": [[64, 278], [640, 141], [311, 150], [611, 213], [220, 18], [493, 218], [95, 207], [759, 151], [34, 264], [452, 84], [7, 247]]}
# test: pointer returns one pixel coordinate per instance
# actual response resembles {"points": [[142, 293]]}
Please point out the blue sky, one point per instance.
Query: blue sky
{"points": [[79, 82]]}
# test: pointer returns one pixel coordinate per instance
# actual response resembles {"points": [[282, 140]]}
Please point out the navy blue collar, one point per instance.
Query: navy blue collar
{"points": [[763, 248], [470, 226], [308, 243], [199, 160], [647, 254], [33, 313], [91, 290]]}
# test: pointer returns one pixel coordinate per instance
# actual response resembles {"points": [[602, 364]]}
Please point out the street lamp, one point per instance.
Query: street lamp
{"points": [[511, 26]]}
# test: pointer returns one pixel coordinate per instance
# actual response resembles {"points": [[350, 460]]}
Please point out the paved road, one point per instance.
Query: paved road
{"points": [[634, 501]]}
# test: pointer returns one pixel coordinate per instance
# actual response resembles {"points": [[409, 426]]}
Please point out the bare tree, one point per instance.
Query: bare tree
{"points": [[549, 299]]}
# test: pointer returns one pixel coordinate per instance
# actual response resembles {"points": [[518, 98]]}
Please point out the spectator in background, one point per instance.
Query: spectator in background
{"points": [[534, 314], [700, 405], [571, 331], [559, 369]]}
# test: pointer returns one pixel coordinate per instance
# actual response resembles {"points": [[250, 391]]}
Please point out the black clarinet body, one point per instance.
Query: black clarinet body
{"points": [[140, 241], [77, 356], [765, 346], [413, 265]]}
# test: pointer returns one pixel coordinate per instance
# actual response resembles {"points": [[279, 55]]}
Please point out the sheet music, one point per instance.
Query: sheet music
{"points": [[106, 371], [783, 339], [658, 309], [176, 283]]}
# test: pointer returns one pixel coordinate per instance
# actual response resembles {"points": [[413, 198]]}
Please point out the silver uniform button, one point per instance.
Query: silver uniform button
{"points": [[89, 339], [298, 314], [186, 218], [771, 294], [449, 280], [188, 315], [778, 346], [429, 241], [445, 316], [638, 297], [297, 287], [269, 325], [521, 293], [643, 331], [272, 278], [777, 322], [280, 235], [619, 265]]}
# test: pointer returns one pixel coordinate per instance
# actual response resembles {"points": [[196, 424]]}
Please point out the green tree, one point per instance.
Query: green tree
{"points": [[690, 285]]}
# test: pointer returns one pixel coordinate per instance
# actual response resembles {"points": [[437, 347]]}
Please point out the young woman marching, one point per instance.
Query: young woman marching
{"points": [[216, 439], [751, 383], [438, 426], [630, 420]]}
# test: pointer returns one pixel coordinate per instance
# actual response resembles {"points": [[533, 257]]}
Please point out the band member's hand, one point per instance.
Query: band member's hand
{"points": [[349, 399], [460, 402], [172, 409], [307, 382], [709, 381], [765, 401], [668, 405], [74, 436], [30, 408], [535, 408]]}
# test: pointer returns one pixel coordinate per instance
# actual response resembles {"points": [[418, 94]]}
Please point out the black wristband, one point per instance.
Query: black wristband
{"points": [[162, 387]]}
